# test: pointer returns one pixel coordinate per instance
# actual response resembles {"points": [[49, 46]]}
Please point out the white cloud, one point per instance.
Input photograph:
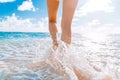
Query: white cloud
{"points": [[27, 5], [95, 5], [95, 27], [91, 6], [14, 23], [94, 22], [4, 1]]}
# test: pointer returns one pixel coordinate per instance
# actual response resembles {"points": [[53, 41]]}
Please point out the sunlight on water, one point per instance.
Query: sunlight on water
{"points": [[90, 57]]}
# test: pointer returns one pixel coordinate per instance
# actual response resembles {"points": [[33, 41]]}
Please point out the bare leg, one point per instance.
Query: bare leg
{"points": [[52, 13], [68, 12]]}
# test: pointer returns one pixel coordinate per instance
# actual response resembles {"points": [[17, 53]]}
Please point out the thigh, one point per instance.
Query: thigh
{"points": [[52, 9]]}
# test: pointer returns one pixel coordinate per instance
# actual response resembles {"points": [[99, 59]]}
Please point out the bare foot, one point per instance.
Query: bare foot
{"points": [[55, 45], [66, 38]]}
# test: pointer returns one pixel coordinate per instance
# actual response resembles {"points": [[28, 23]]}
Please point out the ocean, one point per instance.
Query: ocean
{"points": [[27, 56]]}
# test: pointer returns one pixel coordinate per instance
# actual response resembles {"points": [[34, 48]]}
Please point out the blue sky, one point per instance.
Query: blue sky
{"points": [[38, 8], [15, 15]]}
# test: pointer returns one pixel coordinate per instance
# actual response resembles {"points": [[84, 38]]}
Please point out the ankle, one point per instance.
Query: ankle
{"points": [[53, 27], [53, 31]]}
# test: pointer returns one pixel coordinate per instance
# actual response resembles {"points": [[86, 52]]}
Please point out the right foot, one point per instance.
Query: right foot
{"points": [[66, 39]]}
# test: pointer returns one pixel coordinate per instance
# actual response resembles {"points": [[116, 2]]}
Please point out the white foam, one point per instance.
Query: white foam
{"points": [[91, 57]]}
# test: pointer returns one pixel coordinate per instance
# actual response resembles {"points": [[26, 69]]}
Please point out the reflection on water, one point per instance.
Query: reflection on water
{"points": [[28, 58]]}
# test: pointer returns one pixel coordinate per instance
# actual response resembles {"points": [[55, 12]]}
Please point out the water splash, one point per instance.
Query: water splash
{"points": [[34, 59]]}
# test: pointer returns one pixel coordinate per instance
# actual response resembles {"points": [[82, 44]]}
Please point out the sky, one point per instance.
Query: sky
{"points": [[23, 8], [31, 15]]}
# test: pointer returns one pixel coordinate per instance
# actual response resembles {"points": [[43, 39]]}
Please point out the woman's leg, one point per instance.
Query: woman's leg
{"points": [[52, 13], [68, 12]]}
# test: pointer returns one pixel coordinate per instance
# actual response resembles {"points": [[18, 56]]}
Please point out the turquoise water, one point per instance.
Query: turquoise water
{"points": [[16, 35], [25, 56]]}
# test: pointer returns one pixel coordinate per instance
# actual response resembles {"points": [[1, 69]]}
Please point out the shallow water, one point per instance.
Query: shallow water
{"points": [[27, 58]]}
